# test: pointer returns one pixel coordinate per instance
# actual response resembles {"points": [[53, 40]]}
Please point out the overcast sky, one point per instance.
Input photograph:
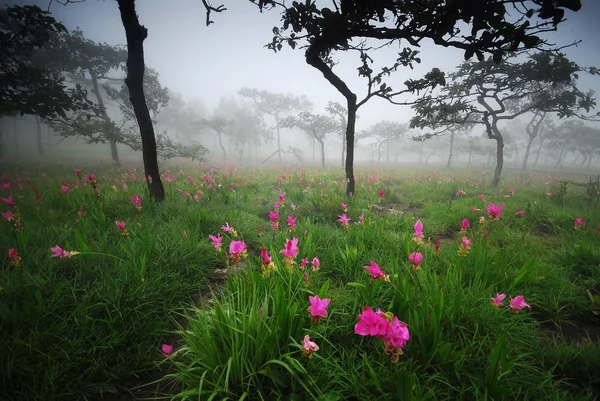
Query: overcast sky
{"points": [[209, 62]]}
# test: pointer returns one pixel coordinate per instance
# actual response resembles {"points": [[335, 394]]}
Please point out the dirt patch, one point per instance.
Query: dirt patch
{"points": [[575, 332], [396, 209]]}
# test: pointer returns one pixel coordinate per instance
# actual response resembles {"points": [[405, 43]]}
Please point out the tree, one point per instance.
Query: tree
{"points": [[495, 26], [136, 34], [316, 126], [219, 125], [339, 111], [383, 132], [276, 105], [487, 92]]}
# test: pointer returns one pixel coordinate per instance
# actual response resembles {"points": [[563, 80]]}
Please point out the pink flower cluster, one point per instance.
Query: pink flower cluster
{"points": [[515, 304], [386, 327]]}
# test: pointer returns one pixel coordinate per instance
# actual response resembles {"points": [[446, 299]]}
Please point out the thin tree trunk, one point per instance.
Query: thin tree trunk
{"points": [[313, 150], [322, 143], [499, 161], [470, 157], [343, 149], [40, 145], [451, 153], [531, 138], [379, 153], [112, 142], [589, 163], [387, 152], [278, 136], [350, 129], [222, 148], [559, 161], [136, 34]]}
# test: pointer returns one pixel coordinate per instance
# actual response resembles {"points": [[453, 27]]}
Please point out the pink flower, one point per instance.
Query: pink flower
{"points": [[226, 228], [120, 225], [437, 244], [303, 263], [474, 210], [415, 258], [265, 256], [381, 193], [137, 201], [276, 205], [318, 307], [273, 215], [291, 223], [361, 218], [167, 349], [460, 192], [518, 303], [291, 249], [14, 257], [464, 225], [293, 207], [65, 189], [216, 241], [8, 216], [344, 220], [578, 223], [419, 229], [497, 300], [8, 201], [315, 264], [397, 334], [375, 271], [237, 247], [465, 242], [494, 211], [481, 196], [58, 252], [371, 323], [520, 213], [511, 191], [78, 172], [548, 194], [282, 198], [344, 207], [308, 347]]}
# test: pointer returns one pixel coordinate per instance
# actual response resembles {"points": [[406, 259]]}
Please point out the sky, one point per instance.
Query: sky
{"points": [[209, 62]]}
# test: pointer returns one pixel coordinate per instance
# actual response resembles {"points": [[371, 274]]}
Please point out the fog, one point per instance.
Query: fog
{"points": [[204, 69]]}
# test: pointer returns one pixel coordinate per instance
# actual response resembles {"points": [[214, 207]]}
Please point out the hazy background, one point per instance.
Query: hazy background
{"points": [[204, 63]]}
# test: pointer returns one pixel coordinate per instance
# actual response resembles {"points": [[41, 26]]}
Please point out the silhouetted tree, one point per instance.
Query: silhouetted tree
{"points": [[383, 132], [276, 105], [487, 92], [316, 126]]}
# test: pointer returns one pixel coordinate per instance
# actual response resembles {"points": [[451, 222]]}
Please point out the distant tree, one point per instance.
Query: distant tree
{"points": [[493, 26], [277, 105], [383, 132], [316, 126], [339, 111], [220, 126], [487, 92]]}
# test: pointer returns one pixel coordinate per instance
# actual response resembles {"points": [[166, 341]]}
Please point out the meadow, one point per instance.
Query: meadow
{"points": [[264, 284]]}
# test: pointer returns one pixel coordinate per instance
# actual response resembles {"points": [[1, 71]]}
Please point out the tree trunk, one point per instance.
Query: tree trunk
{"points": [[470, 157], [343, 148], [38, 127], [499, 161], [322, 143], [531, 138], [590, 161], [387, 152], [278, 136], [537, 157], [451, 153], [222, 148], [559, 161], [379, 153], [352, 108], [136, 34], [112, 141]]}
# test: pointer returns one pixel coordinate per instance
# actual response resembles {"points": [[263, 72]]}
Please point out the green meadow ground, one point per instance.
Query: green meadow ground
{"points": [[91, 326]]}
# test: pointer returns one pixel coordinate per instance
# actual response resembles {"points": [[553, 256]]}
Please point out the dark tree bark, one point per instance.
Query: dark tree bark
{"points": [[222, 148], [38, 127], [112, 141], [350, 130], [533, 129], [499, 161], [531, 138], [136, 34]]}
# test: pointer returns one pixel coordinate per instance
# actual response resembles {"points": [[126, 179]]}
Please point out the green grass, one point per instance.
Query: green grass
{"points": [[92, 325]]}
